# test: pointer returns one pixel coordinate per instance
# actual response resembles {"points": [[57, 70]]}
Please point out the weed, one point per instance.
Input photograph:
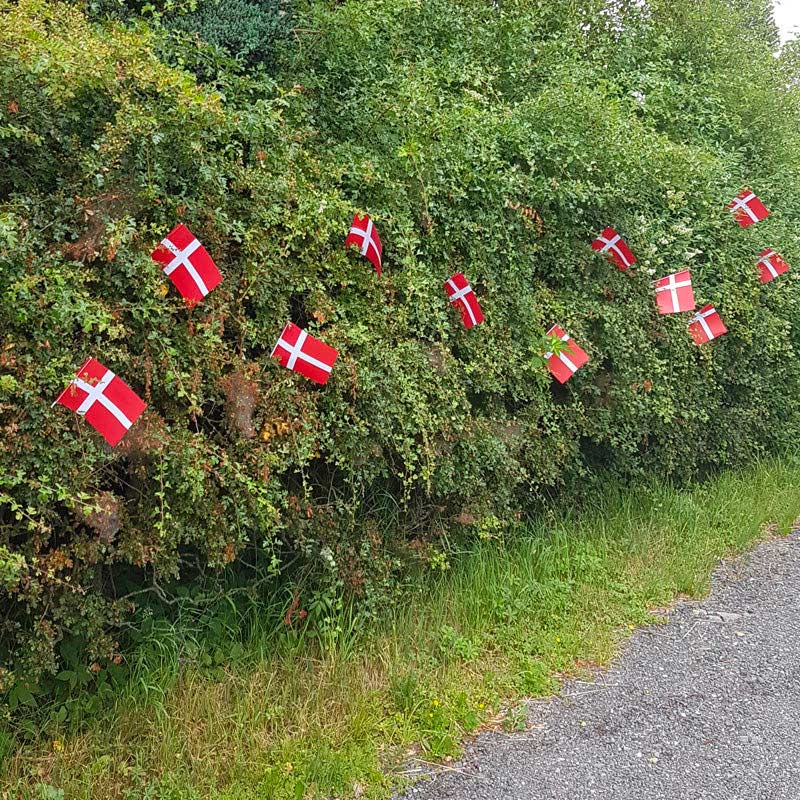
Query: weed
{"points": [[516, 719]]}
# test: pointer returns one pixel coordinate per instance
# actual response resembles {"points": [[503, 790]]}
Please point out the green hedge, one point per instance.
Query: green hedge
{"points": [[249, 30], [445, 121]]}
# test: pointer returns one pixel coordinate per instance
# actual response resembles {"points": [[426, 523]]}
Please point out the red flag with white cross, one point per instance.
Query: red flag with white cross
{"points": [[747, 208], [674, 293], [107, 403], [612, 244], [706, 325], [300, 352], [570, 358], [364, 236], [187, 264], [770, 265], [461, 295]]}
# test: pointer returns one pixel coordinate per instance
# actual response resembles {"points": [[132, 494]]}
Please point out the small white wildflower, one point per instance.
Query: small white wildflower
{"points": [[326, 554]]}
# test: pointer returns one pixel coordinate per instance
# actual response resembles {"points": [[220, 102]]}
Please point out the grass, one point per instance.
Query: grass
{"points": [[285, 720]]}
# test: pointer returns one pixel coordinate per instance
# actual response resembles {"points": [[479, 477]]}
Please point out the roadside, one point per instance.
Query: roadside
{"points": [[707, 706], [288, 721]]}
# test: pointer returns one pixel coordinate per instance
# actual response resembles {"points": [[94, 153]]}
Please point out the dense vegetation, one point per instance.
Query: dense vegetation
{"points": [[493, 138]]}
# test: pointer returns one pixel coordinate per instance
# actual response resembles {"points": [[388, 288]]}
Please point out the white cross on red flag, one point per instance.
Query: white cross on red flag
{"points": [[364, 235], [297, 350], [674, 293], [461, 295], [187, 264], [747, 208], [109, 405], [770, 265], [570, 358], [706, 325], [611, 243]]}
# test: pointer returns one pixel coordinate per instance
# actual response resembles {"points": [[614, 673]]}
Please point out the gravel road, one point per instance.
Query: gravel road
{"points": [[704, 708]]}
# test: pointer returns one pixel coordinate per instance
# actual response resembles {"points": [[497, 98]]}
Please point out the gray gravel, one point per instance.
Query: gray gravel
{"points": [[706, 707]]}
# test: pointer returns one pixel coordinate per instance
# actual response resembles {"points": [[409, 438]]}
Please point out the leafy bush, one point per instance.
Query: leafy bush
{"points": [[249, 31], [246, 29], [496, 140]]}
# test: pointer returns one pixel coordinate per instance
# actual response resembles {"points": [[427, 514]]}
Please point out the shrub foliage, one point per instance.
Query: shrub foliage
{"points": [[495, 139], [249, 30]]}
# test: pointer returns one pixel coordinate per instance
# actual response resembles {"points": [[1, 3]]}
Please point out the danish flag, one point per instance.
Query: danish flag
{"points": [[674, 293], [298, 351], [770, 265], [187, 264], [706, 325], [747, 208], [109, 405], [365, 237], [610, 242], [461, 295], [564, 364]]}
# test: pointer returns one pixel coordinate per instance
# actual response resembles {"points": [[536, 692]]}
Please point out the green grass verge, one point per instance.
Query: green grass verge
{"points": [[284, 721]]}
